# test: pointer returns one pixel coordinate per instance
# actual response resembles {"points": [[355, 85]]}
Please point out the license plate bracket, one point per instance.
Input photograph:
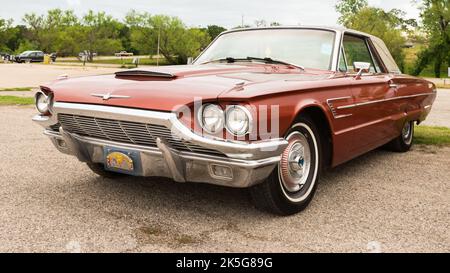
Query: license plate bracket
{"points": [[122, 161]]}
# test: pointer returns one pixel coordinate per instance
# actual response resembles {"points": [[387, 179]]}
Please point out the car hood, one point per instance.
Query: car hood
{"points": [[167, 88]]}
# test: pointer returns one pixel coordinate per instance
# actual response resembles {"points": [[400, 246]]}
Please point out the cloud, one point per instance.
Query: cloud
{"points": [[73, 3]]}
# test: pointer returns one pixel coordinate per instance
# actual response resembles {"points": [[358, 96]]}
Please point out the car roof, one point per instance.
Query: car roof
{"points": [[338, 29]]}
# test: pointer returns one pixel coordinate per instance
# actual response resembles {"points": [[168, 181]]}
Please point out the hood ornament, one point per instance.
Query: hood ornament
{"points": [[110, 96]]}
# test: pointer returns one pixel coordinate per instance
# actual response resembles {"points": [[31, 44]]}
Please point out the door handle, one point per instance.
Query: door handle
{"points": [[393, 85]]}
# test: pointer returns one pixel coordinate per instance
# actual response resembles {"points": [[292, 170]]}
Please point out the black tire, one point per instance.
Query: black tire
{"points": [[272, 195], [404, 141], [99, 169]]}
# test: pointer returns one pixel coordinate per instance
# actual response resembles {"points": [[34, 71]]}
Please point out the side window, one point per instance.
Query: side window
{"points": [[342, 62], [356, 50]]}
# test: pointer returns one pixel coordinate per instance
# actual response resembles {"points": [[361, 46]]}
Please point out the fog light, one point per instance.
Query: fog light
{"points": [[61, 143], [220, 171]]}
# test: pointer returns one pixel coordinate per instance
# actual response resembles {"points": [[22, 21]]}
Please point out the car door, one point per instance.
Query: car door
{"points": [[372, 108], [39, 57]]}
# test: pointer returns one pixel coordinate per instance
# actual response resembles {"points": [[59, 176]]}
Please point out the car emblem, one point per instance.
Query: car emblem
{"points": [[110, 96]]}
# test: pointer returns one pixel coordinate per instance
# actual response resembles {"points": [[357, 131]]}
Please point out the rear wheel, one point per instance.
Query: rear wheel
{"points": [[99, 169], [291, 186], [404, 142]]}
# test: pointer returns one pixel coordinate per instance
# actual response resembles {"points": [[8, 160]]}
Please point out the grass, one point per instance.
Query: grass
{"points": [[17, 89], [13, 100], [430, 135], [443, 86]]}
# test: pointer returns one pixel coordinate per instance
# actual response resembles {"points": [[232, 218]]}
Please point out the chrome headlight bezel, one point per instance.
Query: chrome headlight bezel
{"points": [[246, 128], [43, 102], [220, 124]]}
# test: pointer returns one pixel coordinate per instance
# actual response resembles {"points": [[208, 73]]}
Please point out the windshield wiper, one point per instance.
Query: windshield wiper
{"points": [[265, 60], [274, 61]]}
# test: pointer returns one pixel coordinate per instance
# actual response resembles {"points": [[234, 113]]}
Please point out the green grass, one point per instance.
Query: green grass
{"points": [[17, 89], [13, 100], [443, 86], [429, 135]]}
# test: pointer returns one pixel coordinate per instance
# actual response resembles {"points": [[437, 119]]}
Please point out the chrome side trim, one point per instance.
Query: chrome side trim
{"points": [[382, 100], [333, 109]]}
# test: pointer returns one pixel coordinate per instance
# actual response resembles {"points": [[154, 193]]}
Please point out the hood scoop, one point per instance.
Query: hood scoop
{"points": [[144, 73]]}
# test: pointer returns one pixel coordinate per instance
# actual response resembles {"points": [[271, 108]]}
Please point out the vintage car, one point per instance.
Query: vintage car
{"points": [[266, 109]]}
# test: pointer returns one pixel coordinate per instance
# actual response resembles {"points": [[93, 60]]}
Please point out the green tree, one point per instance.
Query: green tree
{"points": [[8, 34], [101, 33], [176, 42], [435, 15], [348, 8], [390, 26], [214, 31], [387, 25]]}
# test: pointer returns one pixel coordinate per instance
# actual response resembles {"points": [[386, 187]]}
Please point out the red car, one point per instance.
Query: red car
{"points": [[265, 109]]}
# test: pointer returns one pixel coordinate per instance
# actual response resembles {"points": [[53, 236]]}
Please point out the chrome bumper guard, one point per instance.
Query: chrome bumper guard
{"points": [[248, 163]]}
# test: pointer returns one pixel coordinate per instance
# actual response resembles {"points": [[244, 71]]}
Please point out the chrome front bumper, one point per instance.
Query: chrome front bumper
{"points": [[250, 163]]}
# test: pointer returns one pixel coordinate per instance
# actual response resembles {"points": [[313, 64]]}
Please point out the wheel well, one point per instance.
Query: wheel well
{"points": [[321, 121]]}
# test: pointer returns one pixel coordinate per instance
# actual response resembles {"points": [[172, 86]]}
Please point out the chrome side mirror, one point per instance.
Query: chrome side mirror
{"points": [[190, 60], [361, 67]]}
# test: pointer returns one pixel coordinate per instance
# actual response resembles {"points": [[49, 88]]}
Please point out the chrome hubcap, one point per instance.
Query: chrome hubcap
{"points": [[295, 163], [407, 133], [407, 130]]}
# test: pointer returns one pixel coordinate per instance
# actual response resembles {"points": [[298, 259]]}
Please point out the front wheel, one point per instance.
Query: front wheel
{"points": [[291, 186]]}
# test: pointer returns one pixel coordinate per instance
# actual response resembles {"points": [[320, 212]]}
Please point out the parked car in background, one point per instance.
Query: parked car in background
{"points": [[29, 56], [32, 56], [278, 105], [123, 54], [53, 56], [5, 56]]}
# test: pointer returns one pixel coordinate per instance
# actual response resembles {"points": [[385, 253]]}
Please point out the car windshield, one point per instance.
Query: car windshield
{"points": [[25, 53], [302, 47]]}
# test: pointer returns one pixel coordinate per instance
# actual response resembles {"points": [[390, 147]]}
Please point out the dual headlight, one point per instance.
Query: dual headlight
{"points": [[43, 102], [236, 119]]}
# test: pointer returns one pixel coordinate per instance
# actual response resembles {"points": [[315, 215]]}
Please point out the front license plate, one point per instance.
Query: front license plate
{"points": [[122, 161]]}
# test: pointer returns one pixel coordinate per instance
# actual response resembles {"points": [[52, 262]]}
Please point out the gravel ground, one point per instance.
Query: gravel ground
{"points": [[33, 75], [52, 203]]}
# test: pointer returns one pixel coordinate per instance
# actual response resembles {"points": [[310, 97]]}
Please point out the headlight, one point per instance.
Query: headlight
{"points": [[238, 120], [43, 102], [211, 118]]}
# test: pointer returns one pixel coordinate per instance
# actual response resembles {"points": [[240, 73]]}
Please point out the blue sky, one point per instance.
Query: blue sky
{"points": [[227, 13]]}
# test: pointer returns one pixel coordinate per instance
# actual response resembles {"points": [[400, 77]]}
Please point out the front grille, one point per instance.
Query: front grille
{"points": [[127, 132]]}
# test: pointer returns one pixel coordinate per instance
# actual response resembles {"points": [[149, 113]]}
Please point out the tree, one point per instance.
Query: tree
{"points": [[101, 33], [348, 8], [390, 26], [387, 25], [435, 15], [214, 31], [7, 34], [177, 42]]}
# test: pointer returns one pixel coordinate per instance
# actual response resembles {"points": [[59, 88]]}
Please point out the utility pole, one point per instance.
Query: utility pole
{"points": [[242, 22], [159, 42]]}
